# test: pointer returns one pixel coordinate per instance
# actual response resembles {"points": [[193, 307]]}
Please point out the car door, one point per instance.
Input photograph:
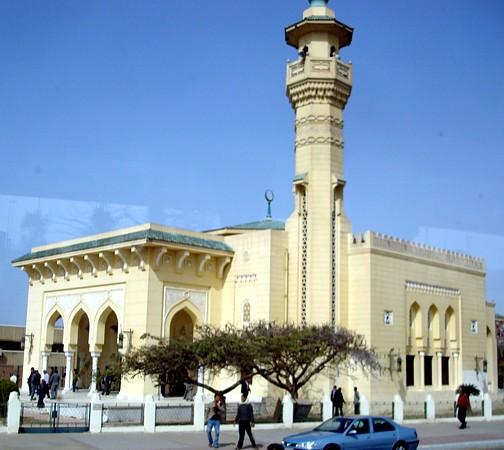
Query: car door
{"points": [[358, 435], [384, 434]]}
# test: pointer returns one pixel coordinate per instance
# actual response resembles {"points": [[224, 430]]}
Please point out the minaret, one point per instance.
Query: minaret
{"points": [[318, 87]]}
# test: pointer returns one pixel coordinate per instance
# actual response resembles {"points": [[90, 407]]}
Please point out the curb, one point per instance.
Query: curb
{"points": [[467, 445]]}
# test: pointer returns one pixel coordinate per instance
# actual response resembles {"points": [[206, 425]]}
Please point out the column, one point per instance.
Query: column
{"points": [[68, 371], [45, 359], [421, 381], [439, 370], [94, 371], [456, 369]]}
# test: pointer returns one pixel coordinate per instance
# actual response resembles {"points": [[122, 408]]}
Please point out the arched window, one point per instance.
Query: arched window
{"points": [[246, 313], [433, 323], [415, 321], [450, 326]]}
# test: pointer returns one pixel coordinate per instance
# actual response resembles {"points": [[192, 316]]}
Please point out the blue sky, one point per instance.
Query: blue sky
{"points": [[123, 112]]}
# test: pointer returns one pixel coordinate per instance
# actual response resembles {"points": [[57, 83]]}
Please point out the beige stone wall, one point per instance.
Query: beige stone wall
{"points": [[392, 278]]}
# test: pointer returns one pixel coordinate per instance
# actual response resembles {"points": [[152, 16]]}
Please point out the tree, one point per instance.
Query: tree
{"points": [[289, 356], [177, 360]]}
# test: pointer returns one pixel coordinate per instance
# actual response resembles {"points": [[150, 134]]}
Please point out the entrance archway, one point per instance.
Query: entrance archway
{"points": [[83, 362], [108, 364], [181, 328]]}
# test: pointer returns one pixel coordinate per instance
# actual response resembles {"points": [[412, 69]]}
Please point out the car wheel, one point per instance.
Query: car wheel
{"points": [[400, 446], [331, 447]]}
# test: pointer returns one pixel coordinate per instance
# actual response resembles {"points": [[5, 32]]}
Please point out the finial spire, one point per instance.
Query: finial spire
{"points": [[318, 2], [269, 196]]}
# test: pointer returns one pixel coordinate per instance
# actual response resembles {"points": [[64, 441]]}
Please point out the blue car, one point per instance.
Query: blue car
{"points": [[363, 433]]}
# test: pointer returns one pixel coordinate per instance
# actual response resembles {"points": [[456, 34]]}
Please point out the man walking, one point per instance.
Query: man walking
{"points": [[462, 406], [356, 401], [35, 381], [339, 402], [216, 416], [333, 400], [245, 420], [54, 380]]}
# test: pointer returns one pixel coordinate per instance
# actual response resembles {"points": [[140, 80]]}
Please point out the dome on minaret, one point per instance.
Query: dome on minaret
{"points": [[318, 2]]}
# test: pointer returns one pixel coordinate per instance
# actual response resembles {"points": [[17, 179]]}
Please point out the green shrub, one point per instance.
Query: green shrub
{"points": [[470, 389], [6, 387]]}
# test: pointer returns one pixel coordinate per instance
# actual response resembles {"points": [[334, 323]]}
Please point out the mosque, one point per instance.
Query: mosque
{"points": [[424, 309]]}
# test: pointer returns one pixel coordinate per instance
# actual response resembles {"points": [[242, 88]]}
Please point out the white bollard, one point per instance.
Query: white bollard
{"points": [[288, 411], [487, 406], [199, 411], [326, 408], [149, 414], [364, 406], [398, 409], [430, 408], [95, 419], [13, 413]]}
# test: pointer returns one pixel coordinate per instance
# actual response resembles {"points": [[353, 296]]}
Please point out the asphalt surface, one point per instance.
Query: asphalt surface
{"points": [[446, 436]]}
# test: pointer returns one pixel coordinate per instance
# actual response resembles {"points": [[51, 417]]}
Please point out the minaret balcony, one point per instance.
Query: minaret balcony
{"points": [[319, 68]]}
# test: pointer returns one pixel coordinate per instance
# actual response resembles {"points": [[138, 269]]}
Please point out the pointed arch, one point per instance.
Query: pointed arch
{"points": [[50, 324], [100, 320], [450, 325], [184, 305], [415, 320], [72, 330], [433, 323]]}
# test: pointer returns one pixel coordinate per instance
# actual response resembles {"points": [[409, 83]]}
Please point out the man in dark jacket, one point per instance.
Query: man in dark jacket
{"points": [[35, 381], [339, 402], [245, 420]]}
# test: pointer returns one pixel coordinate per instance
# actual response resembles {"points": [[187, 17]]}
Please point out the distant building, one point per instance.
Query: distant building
{"points": [[12, 340], [499, 333], [424, 309]]}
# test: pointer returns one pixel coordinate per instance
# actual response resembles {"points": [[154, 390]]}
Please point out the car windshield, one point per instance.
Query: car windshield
{"points": [[336, 425]]}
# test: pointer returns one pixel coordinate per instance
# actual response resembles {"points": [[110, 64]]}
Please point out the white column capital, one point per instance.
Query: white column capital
{"points": [[455, 355], [69, 354], [439, 355], [421, 354], [45, 354], [95, 354]]}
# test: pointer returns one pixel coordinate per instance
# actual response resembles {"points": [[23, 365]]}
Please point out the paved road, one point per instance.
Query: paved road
{"points": [[445, 436]]}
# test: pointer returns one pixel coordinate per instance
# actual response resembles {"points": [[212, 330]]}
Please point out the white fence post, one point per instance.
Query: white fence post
{"points": [[326, 408], [398, 409], [95, 419], [487, 406], [430, 408], [199, 410], [13, 413], [364, 405], [288, 411], [149, 414]]}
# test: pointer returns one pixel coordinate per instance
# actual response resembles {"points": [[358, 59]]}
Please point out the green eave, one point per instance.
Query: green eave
{"points": [[149, 235], [260, 225], [318, 24]]}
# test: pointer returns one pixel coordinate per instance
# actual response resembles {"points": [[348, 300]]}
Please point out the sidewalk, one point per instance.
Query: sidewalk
{"points": [[446, 436]]}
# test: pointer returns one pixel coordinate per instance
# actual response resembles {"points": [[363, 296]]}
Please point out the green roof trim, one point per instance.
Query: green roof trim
{"points": [[300, 177], [149, 235], [260, 225]]}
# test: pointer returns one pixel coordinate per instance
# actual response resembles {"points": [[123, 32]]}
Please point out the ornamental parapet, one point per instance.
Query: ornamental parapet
{"points": [[389, 244], [321, 68], [319, 80]]}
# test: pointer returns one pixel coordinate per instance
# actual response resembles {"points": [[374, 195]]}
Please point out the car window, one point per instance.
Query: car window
{"points": [[380, 425], [361, 426], [336, 425]]}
